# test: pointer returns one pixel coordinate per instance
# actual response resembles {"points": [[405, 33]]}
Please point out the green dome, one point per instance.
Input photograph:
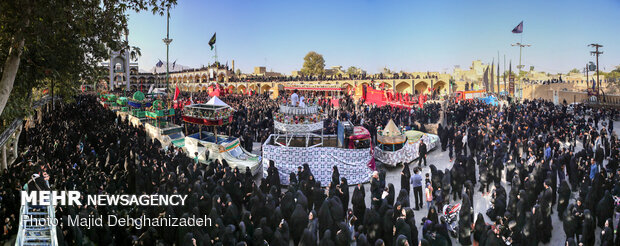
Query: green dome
{"points": [[158, 104], [138, 96]]}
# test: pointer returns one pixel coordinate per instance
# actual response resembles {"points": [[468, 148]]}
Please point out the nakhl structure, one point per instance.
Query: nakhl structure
{"points": [[206, 146], [396, 146], [139, 103], [159, 125], [299, 140]]}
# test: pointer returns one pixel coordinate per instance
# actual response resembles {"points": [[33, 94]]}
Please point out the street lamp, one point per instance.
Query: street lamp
{"points": [[167, 41], [520, 51]]}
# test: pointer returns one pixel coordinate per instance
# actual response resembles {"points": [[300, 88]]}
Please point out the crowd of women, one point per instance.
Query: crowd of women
{"points": [[556, 164], [550, 157]]}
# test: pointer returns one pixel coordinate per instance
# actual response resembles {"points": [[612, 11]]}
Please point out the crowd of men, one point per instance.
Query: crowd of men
{"points": [[556, 164]]}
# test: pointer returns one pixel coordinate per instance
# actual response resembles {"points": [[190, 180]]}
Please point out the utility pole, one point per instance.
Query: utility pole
{"points": [[596, 53], [167, 41], [520, 52], [587, 78]]}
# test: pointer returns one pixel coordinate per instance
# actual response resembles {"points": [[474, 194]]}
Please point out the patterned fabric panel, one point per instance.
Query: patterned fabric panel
{"points": [[298, 127], [298, 110], [352, 163]]}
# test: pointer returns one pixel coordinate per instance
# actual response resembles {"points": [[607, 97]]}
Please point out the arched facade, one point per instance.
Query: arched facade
{"points": [[421, 87], [403, 87], [441, 87], [265, 88], [254, 87], [387, 85], [241, 89]]}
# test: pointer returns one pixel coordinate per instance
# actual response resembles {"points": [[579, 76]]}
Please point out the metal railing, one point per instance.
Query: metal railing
{"points": [[36, 228], [10, 130]]}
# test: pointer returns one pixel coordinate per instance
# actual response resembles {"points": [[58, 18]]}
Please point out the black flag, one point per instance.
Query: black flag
{"points": [[485, 79], [212, 41], [498, 88]]}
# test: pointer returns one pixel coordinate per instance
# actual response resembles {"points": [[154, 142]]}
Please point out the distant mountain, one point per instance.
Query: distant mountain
{"points": [[162, 69]]}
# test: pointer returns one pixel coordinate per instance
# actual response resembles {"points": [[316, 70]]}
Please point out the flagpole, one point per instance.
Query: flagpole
{"points": [[215, 52]]}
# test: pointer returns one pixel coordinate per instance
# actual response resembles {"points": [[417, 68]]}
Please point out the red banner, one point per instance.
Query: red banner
{"points": [[381, 98], [206, 122], [375, 96]]}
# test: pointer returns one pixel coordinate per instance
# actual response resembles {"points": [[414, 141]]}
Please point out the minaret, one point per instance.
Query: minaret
{"points": [[126, 57]]}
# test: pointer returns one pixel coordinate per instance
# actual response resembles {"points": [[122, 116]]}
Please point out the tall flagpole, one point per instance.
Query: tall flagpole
{"points": [[499, 89], [167, 41], [215, 52], [505, 84]]}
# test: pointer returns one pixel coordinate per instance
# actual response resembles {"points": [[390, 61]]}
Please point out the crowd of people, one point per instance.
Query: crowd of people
{"points": [[363, 76], [253, 117], [555, 162], [534, 148]]}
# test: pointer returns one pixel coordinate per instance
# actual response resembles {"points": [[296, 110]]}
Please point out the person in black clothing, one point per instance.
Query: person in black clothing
{"points": [[422, 151], [86, 147]]}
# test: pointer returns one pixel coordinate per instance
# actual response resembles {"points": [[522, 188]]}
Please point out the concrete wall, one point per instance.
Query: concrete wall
{"points": [[565, 91]]}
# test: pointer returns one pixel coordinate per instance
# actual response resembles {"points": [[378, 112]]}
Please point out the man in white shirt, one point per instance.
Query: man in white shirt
{"points": [[302, 102], [294, 98]]}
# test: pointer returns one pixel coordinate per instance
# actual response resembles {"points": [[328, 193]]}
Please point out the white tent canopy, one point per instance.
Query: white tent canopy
{"points": [[217, 102]]}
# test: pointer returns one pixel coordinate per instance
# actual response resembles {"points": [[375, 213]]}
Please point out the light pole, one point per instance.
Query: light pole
{"points": [[520, 66], [167, 41], [520, 52]]}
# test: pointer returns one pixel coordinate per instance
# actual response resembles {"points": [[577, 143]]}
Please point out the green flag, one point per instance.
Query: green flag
{"points": [[212, 41]]}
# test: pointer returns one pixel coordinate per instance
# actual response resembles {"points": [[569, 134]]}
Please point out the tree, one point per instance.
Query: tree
{"points": [[314, 64], [574, 70], [353, 72], [60, 41], [614, 76], [238, 72], [512, 72]]}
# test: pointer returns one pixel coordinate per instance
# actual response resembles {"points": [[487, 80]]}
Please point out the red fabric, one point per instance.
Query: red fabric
{"points": [[375, 96], [359, 132], [371, 164], [314, 89], [216, 92], [205, 121], [176, 93], [335, 102], [420, 101]]}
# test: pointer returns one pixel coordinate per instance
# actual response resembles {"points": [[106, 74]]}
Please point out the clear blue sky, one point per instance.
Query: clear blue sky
{"points": [[372, 34]]}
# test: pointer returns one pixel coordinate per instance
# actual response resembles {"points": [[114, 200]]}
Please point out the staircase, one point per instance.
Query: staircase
{"points": [[33, 233]]}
